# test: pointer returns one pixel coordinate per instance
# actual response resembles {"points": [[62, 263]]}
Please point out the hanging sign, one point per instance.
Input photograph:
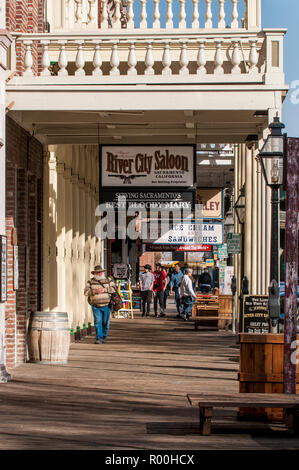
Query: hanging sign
{"points": [[129, 166], [222, 252], [188, 248], [3, 268], [233, 243], [148, 200], [256, 314], [212, 201], [188, 233]]}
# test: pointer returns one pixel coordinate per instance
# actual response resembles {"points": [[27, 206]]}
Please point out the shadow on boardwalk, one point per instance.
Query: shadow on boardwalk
{"points": [[129, 393]]}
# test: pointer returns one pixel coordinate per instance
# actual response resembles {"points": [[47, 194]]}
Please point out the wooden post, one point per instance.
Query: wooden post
{"points": [[291, 261]]}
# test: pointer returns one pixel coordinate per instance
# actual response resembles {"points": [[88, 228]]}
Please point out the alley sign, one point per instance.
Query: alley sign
{"points": [[233, 243], [190, 234], [147, 166]]}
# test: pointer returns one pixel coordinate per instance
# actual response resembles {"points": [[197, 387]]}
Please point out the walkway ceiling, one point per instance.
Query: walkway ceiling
{"points": [[140, 127]]}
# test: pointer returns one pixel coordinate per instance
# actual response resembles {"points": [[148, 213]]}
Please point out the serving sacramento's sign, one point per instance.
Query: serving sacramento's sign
{"points": [[160, 166]]}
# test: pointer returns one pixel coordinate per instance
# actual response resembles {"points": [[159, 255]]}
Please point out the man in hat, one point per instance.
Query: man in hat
{"points": [[98, 290], [146, 283], [159, 287]]}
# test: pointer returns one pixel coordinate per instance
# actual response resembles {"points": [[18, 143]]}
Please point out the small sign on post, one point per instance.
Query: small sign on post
{"points": [[3, 268], [233, 243]]}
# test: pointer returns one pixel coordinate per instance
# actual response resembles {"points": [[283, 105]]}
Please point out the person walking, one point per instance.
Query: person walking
{"points": [[175, 282], [98, 290], [187, 294], [205, 282], [146, 284], [160, 283]]}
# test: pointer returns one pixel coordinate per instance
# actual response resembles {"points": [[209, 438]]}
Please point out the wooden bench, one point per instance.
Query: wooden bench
{"points": [[206, 402]]}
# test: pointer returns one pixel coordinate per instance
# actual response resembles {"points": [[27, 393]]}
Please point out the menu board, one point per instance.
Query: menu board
{"points": [[256, 314]]}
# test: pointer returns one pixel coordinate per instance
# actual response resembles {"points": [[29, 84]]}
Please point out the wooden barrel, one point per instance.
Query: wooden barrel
{"points": [[48, 338], [261, 371]]}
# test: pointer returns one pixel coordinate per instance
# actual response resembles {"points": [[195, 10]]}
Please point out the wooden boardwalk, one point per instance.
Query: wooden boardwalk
{"points": [[129, 393]]}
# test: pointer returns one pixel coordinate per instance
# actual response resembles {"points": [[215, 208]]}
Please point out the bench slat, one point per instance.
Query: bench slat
{"points": [[262, 400]]}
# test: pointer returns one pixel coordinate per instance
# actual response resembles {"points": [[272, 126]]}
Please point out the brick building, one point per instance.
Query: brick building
{"points": [[70, 80]]}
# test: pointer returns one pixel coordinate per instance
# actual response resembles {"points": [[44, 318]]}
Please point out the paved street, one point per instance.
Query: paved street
{"points": [[129, 393]]}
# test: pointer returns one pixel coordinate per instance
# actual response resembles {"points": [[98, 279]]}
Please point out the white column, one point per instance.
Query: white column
{"points": [[68, 242], [75, 240], [254, 217], [5, 41], [61, 206], [52, 231], [248, 215], [45, 225]]}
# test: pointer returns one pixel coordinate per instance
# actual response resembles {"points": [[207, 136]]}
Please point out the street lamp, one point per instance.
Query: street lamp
{"points": [[240, 211], [271, 158]]}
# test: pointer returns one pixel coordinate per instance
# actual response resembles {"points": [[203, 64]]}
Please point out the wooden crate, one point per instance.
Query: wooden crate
{"points": [[205, 306], [261, 371], [225, 310]]}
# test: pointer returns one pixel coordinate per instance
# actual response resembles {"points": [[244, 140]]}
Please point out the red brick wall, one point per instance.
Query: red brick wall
{"points": [[23, 176], [26, 16]]}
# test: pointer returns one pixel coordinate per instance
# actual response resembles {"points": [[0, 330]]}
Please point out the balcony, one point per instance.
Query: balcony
{"points": [[168, 55]]}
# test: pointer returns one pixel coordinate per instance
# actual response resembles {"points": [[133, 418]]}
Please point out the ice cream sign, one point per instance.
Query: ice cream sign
{"points": [[189, 233]]}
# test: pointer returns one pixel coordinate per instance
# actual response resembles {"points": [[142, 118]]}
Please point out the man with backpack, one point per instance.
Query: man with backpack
{"points": [[98, 290]]}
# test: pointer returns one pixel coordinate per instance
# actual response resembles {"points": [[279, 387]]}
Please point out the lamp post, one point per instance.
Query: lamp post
{"points": [[271, 158], [240, 211]]}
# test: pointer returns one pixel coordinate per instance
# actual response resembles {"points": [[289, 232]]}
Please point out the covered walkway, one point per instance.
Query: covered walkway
{"points": [[129, 393]]}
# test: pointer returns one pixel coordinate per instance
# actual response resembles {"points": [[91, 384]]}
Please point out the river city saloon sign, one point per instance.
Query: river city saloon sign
{"points": [[147, 166]]}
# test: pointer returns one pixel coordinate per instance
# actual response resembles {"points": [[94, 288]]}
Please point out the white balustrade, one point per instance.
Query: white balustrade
{"points": [[184, 59], [45, 59], [130, 15], [235, 14], [229, 52], [78, 13], [62, 60], [221, 23], [83, 14], [143, 15], [28, 60], [114, 61], [209, 15], [182, 23], [117, 14], [218, 59], [166, 60], [236, 60], [169, 15], [195, 15], [92, 15], [149, 59], [156, 23], [253, 57], [80, 62], [201, 59], [97, 60], [104, 24], [132, 61]]}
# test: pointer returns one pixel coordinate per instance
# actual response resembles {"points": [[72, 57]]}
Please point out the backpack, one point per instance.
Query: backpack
{"points": [[116, 302]]}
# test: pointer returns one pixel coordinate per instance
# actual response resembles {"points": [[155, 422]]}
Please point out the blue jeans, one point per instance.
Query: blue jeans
{"points": [[177, 299], [101, 321], [187, 302]]}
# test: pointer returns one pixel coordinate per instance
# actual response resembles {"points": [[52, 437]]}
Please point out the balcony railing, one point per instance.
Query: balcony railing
{"points": [[70, 15], [152, 55]]}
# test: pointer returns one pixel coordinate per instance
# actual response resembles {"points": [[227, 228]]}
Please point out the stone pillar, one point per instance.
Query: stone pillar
{"points": [[82, 195]]}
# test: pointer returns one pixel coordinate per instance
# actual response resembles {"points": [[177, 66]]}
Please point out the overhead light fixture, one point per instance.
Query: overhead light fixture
{"points": [[260, 114]]}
